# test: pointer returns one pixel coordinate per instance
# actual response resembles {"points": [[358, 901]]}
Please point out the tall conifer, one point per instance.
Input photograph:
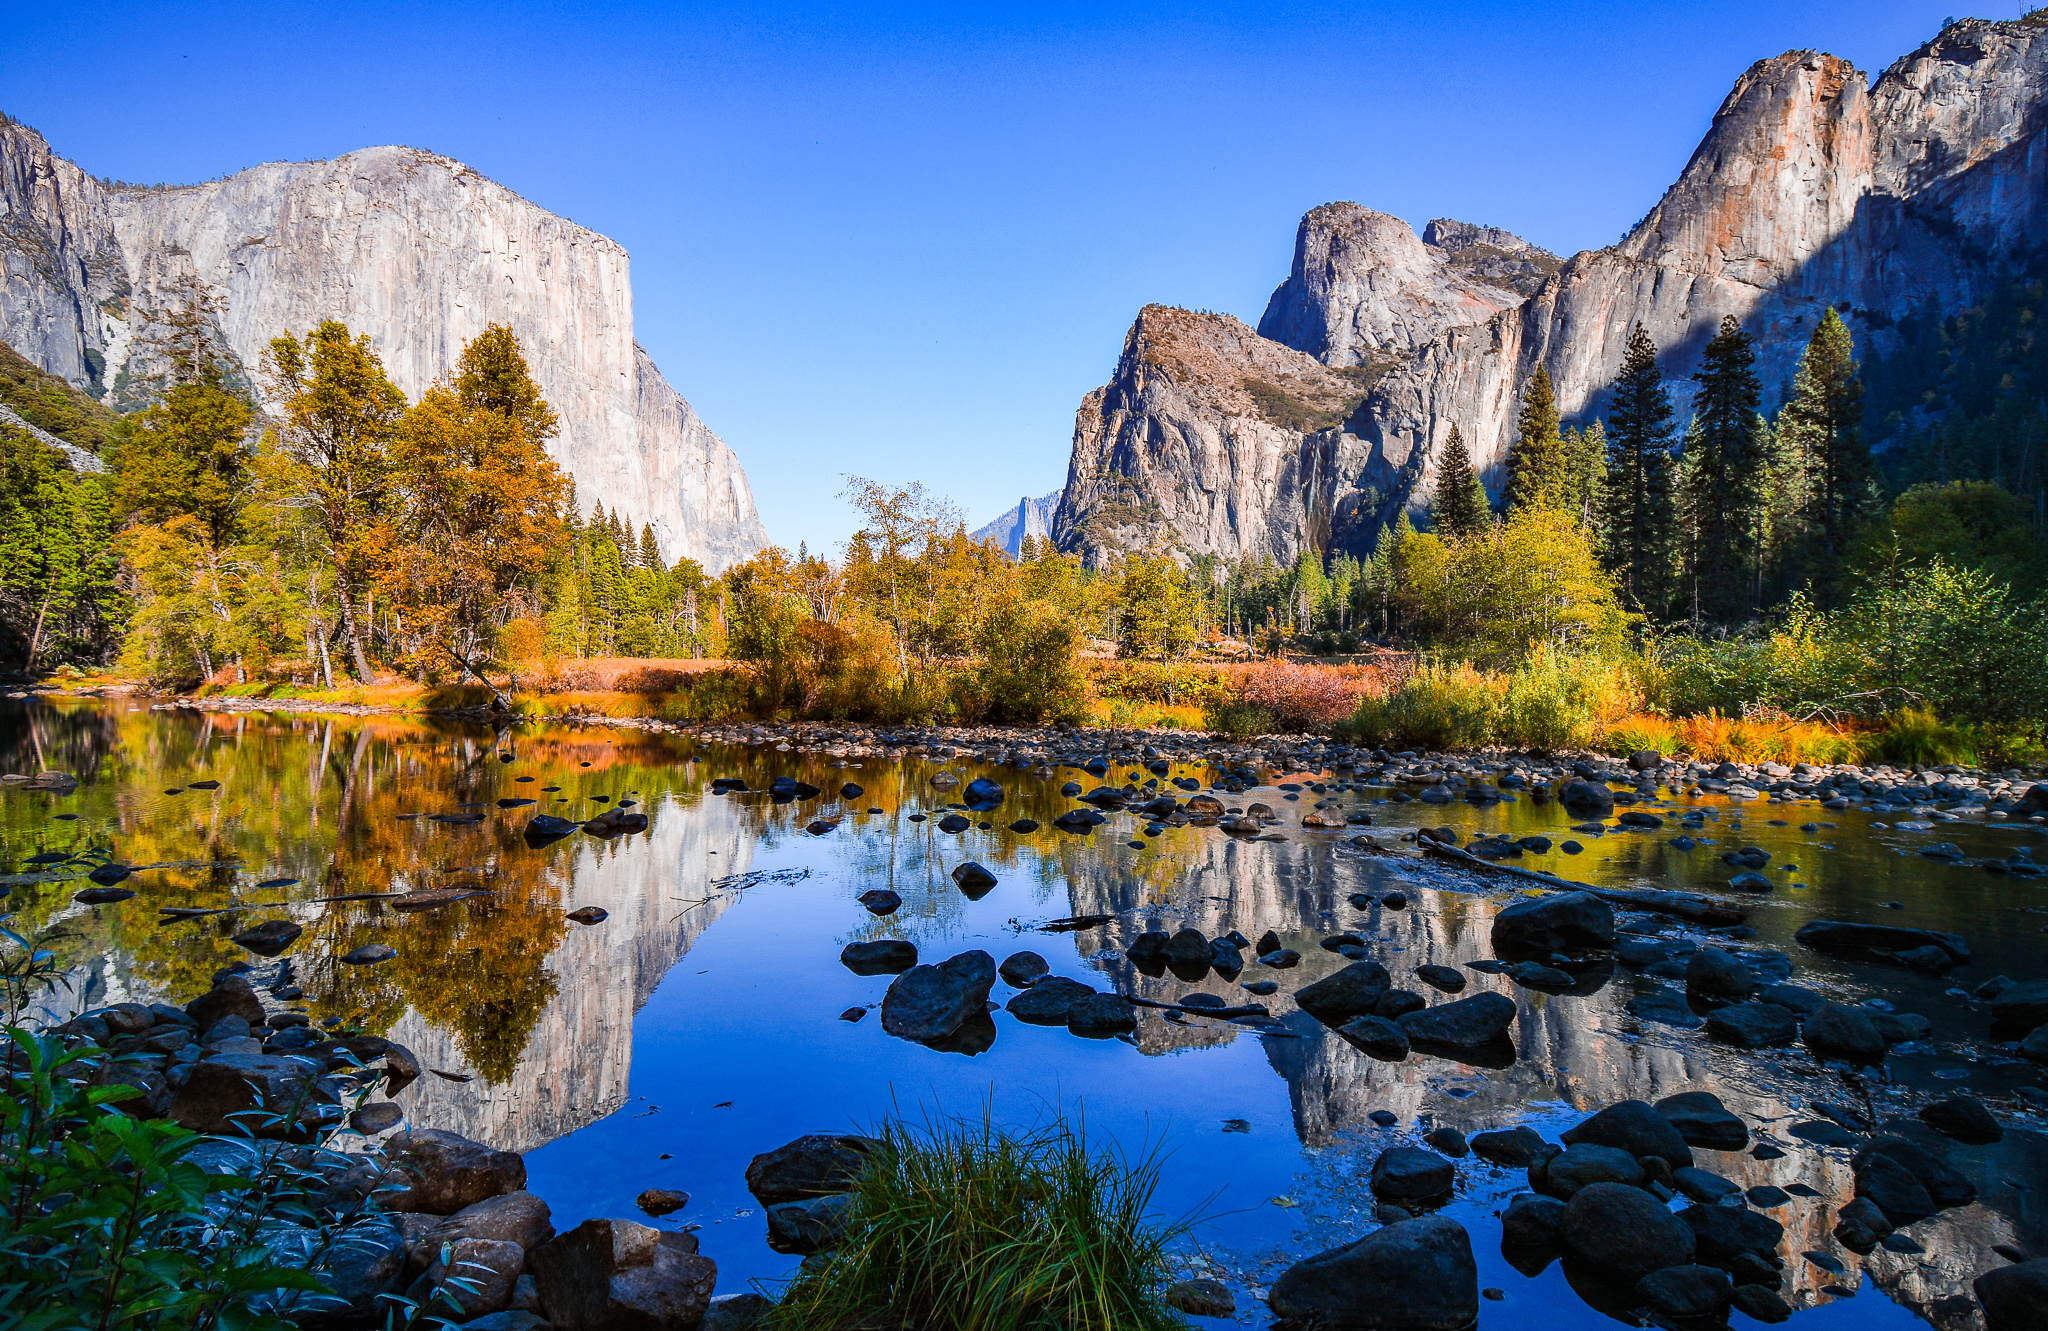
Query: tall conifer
{"points": [[1725, 479], [1459, 507], [1638, 513], [1825, 415], [1537, 464]]}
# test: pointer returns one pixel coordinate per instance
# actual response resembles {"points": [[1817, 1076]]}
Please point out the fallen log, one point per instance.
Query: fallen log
{"points": [[1691, 906]]}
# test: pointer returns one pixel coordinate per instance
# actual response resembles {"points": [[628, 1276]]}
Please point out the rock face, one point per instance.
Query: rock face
{"points": [[420, 252], [1365, 285], [1811, 188], [1031, 517]]}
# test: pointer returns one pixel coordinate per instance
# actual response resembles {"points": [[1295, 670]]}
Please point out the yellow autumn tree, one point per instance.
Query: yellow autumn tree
{"points": [[478, 509]]}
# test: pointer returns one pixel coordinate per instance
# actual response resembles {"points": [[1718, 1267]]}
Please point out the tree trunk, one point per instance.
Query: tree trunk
{"points": [[354, 635], [35, 639]]}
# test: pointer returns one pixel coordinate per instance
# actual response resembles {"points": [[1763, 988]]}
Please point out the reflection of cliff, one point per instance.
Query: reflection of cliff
{"points": [[1584, 1052], [574, 1067]]}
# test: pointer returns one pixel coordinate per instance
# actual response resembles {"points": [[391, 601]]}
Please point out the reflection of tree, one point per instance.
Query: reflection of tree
{"points": [[319, 800], [479, 969]]}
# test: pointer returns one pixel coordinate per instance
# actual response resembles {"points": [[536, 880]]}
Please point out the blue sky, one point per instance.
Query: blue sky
{"points": [[903, 242]]}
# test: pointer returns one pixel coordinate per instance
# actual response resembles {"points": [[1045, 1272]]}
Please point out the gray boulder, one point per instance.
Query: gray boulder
{"points": [[516, 1217], [1562, 922], [1351, 992], [1376, 1037], [1721, 1234], [2015, 1298], [1418, 1275], [362, 1265], [1634, 1127], [884, 956], [1532, 1221], [1101, 1015], [472, 1277], [1404, 1174], [736, 1312], [1624, 1232], [1839, 1031], [931, 1002], [1465, 1024], [1047, 1002], [811, 1166], [1517, 1147], [451, 1173], [1586, 798], [1752, 1025], [1702, 1120], [616, 1275], [269, 1095], [1717, 974], [1685, 1293], [1021, 969], [816, 1224], [1579, 1167]]}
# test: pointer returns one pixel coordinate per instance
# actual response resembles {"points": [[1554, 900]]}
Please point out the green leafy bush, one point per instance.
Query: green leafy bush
{"points": [[109, 1221], [1436, 707]]}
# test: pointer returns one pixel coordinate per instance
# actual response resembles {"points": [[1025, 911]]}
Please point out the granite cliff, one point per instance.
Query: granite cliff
{"points": [[1031, 517], [419, 251], [1811, 188]]}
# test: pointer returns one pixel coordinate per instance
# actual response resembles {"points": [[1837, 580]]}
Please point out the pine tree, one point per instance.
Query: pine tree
{"points": [[1459, 507], [1825, 414], [650, 550], [1537, 464], [1725, 498], [1638, 516], [1585, 453]]}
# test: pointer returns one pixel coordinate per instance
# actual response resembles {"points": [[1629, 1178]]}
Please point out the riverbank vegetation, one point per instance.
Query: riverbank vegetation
{"points": [[1739, 582], [968, 1225]]}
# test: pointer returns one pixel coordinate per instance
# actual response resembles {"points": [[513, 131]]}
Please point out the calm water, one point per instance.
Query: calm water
{"points": [[700, 1024]]}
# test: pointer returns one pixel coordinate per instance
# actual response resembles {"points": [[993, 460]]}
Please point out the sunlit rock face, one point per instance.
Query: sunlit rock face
{"points": [[419, 251], [578, 1057], [1210, 439], [1811, 189]]}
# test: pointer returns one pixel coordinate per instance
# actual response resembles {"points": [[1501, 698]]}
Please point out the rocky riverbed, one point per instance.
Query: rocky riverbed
{"points": [[1316, 972]]}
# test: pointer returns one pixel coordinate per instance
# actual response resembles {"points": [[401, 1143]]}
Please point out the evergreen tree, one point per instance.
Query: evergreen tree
{"points": [[1638, 514], [650, 550], [1585, 476], [1459, 505], [1725, 478], [1824, 416], [1537, 463]]}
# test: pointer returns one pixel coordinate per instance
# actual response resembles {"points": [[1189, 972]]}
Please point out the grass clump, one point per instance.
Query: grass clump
{"points": [[971, 1227]]}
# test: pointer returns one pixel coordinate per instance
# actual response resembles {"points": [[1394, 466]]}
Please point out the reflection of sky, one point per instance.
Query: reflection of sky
{"points": [[738, 1046]]}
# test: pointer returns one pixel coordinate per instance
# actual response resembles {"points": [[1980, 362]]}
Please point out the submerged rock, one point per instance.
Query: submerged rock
{"points": [[1418, 1275], [618, 1273], [931, 1002], [810, 1166], [1351, 992], [1562, 922], [1624, 1232], [1465, 1024]]}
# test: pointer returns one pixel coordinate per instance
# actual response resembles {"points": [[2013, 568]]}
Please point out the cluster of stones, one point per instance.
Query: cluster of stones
{"points": [[226, 1063], [428, 1215], [1601, 1199]]}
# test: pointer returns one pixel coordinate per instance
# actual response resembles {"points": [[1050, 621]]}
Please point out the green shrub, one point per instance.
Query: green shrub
{"points": [[1636, 733], [107, 1221], [1437, 707], [1554, 701], [1239, 720], [973, 1228]]}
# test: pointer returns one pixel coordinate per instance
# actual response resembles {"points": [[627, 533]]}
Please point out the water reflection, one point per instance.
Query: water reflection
{"points": [[544, 1030]]}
